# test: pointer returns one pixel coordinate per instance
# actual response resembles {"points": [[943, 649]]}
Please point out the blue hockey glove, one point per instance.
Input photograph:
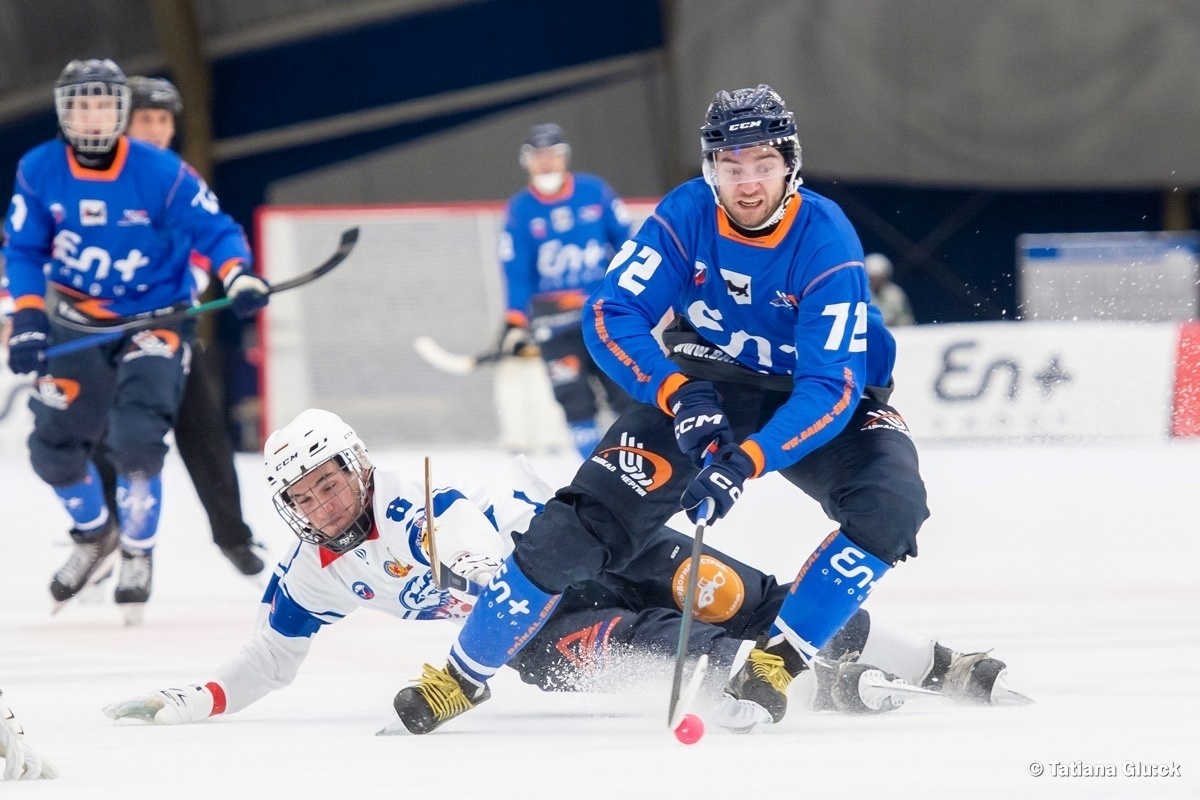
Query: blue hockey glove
{"points": [[701, 426], [27, 344], [249, 292], [721, 481]]}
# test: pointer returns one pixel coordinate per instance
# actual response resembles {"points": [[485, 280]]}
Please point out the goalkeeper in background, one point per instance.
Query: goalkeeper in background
{"points": [[560, 232]]}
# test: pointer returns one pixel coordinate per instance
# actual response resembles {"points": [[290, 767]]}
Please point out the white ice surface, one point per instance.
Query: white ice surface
{"points": [[1076, 563]]}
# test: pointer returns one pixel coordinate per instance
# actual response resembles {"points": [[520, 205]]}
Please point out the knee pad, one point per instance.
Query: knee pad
{"points": [[136, 443], [558, 550], [887, 525], [58, 465]]}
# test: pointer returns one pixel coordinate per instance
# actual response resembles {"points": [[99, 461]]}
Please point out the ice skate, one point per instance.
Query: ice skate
{"points": [[243, 557], [757, 692], [133, 585], [438, 696], [972, 678], [852, 687], [91, 561]]}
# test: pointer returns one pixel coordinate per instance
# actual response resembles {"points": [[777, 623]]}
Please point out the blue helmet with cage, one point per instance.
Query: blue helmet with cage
{"points": [[752, 117], [91, 98]]}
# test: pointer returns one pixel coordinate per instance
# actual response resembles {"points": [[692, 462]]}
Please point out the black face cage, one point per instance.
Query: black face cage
{"points": [[357, 468]]}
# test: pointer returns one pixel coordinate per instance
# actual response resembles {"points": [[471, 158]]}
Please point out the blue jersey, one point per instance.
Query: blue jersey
{"points": [[560, 243], [120, 238], [792, 303]]}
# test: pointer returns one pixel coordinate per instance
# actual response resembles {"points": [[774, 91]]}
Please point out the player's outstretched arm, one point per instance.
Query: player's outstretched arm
{"points": [[173, 706]]}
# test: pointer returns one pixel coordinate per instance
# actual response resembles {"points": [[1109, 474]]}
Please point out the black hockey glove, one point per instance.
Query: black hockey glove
{"points": [[701, 426], [249, 292], [27, 345], [721, 481], [515, 341]]}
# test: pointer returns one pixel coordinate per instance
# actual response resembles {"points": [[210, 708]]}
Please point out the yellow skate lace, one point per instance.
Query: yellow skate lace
{"points": [[445, 697], [770, 668]]}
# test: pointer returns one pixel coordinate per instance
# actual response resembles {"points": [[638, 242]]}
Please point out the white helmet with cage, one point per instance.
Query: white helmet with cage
{"points": [[321, 480]]}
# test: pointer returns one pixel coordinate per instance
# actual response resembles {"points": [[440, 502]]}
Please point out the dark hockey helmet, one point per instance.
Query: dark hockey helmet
{"points": [[750, 118], [91, 98], [542, 136], [154, 93], [321, 480]]}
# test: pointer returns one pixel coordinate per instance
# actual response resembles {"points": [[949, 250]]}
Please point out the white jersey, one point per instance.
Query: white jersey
{"points": [[389, 571]]}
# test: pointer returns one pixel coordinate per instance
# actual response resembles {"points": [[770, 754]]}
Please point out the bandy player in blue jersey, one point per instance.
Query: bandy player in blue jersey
{"points": [[108, 224], [777, 363], [559, 234]]}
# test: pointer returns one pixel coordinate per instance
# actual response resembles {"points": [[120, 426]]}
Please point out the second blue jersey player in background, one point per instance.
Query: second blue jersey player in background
{"points": [[560, 232], [777, 363], [108, 224]]}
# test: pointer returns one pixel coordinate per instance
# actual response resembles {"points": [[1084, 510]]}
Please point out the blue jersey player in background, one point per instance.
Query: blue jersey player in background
{"points": [[559, 234], [777, 363], [107, 224]]}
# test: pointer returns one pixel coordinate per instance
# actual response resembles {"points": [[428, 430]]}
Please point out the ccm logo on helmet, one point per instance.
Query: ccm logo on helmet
{"points": [[741, 126], [286, 461]]}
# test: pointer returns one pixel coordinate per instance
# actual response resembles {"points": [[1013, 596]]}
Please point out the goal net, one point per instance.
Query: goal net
{"points": [[345, 342]]}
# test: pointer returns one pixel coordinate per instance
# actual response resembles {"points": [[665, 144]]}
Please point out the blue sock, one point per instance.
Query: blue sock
{"points": [[84, 501], [832, 584], [508, 614], [585, 436], [139, 499]]}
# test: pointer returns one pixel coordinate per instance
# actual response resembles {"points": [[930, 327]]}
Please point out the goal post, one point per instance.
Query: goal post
{"points": [[345, 342]]}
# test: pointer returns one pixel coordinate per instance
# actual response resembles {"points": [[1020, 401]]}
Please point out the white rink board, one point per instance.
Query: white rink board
{"points": [[1027, 380]]}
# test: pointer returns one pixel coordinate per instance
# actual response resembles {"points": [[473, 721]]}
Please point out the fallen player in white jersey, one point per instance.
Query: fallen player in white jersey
{"points": [[336, 502]]}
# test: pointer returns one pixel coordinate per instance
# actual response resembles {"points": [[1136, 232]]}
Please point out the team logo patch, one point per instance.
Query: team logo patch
{"points": [[134, 216], [785, 301], [363, 591], [638, 468], [738, 286], [886, 420], [561, 219], [158, 342], [398, 509], [720, 591], [564, 370], [396, 569], [58, 212], [57, 393], [537, 228], [93, 212], [586, 649], [700, 273]]}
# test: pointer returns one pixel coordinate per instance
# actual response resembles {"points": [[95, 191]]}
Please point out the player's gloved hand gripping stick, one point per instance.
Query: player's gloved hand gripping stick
{"points": [[109, 333]]}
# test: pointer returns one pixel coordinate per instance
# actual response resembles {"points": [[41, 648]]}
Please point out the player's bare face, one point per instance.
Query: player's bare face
{"points": [[328, 498], [153, 125], [546, 160], [750, 184], [94, 116]]}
